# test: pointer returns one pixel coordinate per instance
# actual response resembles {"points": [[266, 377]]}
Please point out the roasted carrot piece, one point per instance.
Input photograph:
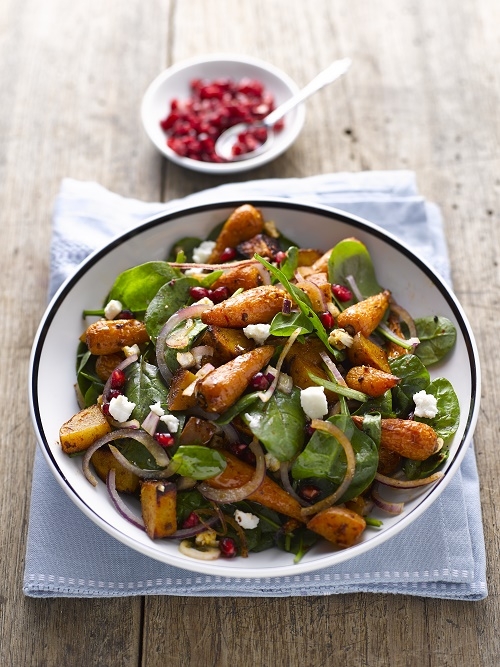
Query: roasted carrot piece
{"points": [[254, 306], [111, 336], [243, 223], [412, 439], [371, 381], [338, 525], [366, 315]]}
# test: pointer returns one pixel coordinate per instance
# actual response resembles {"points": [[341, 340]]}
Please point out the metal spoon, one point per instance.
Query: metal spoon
{"points": [[224, 144]]}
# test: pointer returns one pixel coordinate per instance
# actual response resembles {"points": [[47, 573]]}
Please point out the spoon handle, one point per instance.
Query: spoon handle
{"points": [[328, 75]]}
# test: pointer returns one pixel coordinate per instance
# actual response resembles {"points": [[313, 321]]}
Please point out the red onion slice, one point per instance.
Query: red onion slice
{"points": [[150, 423], [408, 483], [332, 367], [185, 533], [122, 508], [144, 438], [344, 441], [285, 480], [405, 317], [386, 505], [241, 492], [213, 267], [265, 396]]}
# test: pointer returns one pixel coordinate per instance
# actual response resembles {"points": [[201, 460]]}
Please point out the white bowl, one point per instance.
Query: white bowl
{"points": [[52, 398], [174, 83]]}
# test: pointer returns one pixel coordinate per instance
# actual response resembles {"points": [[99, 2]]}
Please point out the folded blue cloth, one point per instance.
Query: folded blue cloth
{"points": [[440, 555]]}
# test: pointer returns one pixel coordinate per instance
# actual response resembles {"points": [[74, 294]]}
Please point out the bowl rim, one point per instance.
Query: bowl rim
{"points": [[214, 168], [335, 557]]}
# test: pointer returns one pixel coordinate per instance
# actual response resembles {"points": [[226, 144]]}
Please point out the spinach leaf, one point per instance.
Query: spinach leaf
{"points": [[324, 457], [186, 246], [193, 329], [279, 424], [421, 469], [89, 383], [144, 388], [446, 422], [136, 287], [285, 325], [136, 453], [189, 501], [381, 405], [372, 426], [350, 257], [170, 298], [339, 389], [242, 404], [198, 462], [290, 264], [412, 372], [437, 337]]}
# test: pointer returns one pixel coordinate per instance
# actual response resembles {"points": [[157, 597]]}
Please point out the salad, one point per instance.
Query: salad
{"points": [[251, 394]]}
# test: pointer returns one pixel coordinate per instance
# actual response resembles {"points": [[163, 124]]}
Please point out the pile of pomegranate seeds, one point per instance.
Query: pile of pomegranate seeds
{"points": [[193, 125]]}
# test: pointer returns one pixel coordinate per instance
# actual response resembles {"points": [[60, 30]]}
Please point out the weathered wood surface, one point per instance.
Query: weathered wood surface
{"points": [[423, 94]]}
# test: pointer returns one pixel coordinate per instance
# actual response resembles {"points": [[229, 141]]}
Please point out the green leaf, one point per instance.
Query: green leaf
{"points": [[289, 266], [198, 462], [324, 458], [350, 257], [237, 408], [437, 337], [414, 377], [185, 246], [446, 422], [136, 287], [279, 424], [189, 501], [421, 469], [339, 389], [193, 330], [381, 405], [170, 298], [285, 325], [144, 388]]}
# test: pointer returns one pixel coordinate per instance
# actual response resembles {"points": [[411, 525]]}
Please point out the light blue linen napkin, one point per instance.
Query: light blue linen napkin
{"points": [[440, 555]]}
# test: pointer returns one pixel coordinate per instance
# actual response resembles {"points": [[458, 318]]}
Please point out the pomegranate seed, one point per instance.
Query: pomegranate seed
{"points": [[227, 255], [219, 294], [309, 492], [118, 379], [227, 547], [198, 293], [242, 451], [113, 393], [342, 293], [125, 315], [260, 382], [191, 521], [309, 430], [105, 409], [164, 439], [327, 320], [280, 257]]}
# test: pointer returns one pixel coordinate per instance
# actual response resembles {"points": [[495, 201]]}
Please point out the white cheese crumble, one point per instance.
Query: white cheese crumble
{"points": [[129, 351], [246, 519], [112, 309], [272, 463], [340, 339], [313, 402], [425, 405], [253, 421], [186, 359], [157, 409], [259, 332], [203, 252], [120, 408], [205, 301], [171, 422]]}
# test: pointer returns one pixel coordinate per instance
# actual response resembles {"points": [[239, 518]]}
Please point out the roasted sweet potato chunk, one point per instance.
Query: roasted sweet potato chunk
{"points": [[261, 244], [243, 223], [83, 429], [226, 343], [197, 431], [111, 336], [338, 525], [411, 439], [106, 363], [255, 306], [158, 504], [364, 352], [224, 385], [103, 461], [176, 399], [366, 315], [371, 381]]}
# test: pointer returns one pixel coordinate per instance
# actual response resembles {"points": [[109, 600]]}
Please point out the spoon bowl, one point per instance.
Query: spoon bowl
{"points": [[227, 144]]}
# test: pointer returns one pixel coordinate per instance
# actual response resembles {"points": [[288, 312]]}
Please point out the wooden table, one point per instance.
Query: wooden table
{"points": [[423, 94]]}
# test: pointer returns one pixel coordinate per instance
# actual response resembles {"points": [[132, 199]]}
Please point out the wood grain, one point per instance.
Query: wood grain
{"points": [[423, 94]]}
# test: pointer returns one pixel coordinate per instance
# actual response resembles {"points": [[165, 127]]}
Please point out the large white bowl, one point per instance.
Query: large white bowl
{"points": [[52, 398], [174, 83]]}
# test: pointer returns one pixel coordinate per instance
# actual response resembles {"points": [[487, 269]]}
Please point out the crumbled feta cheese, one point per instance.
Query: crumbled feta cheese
{"points": [[171, 422], [425, 405], [340, 339], [112, 309], [120, 408], [130, 351], [157, 409], [203, 252], [259, 332], [193, 272], [272, 463], [246, 519], [253, 421], [313, 402], [200, 352], [205, 301], [186, 359]]}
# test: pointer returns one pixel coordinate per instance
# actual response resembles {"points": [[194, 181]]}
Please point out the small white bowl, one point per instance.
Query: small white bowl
{"points": [[174, 83]]}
